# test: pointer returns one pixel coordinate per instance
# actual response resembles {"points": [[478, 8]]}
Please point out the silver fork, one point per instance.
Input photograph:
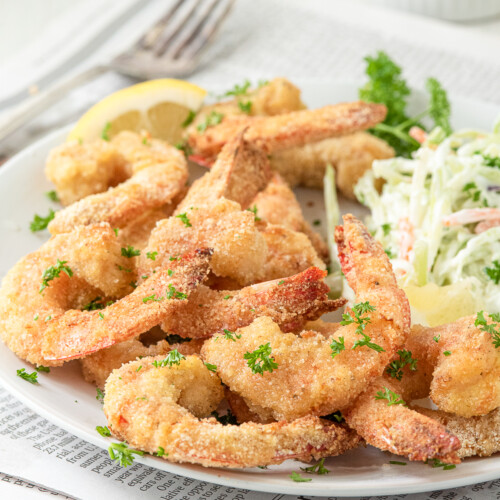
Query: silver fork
{"points": [[170, 48]]}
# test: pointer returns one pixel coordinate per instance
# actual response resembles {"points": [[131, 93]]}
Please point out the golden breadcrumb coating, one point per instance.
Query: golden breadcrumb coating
{"points": [[164, 407], [351, 156]]}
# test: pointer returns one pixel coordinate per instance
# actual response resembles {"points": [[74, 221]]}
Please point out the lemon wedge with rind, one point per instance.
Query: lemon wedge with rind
{"points": [[157, 106]]}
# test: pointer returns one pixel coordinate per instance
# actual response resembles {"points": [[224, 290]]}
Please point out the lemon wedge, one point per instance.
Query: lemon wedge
{"points": [[157, 106], [435, 305]]}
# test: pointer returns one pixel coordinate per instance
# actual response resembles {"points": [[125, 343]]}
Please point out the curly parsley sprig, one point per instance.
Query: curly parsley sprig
{"points": [[260, 360], [391, 397], [492, 328], [358, 316], [395, 368], [123, 454], [54, 272], [174, 357]]}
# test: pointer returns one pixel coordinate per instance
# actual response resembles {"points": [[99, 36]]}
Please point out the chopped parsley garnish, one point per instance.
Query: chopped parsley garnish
{"points": [[35, 317], [52, 196], [176, 339], [261, 360], [435, 463], [100, 395], [101, 315], [185, 219], [161, 452], [493, 272], [317, 222], [227, 297], [185, 148], [105, 132], [447, 353], [189, 119], [41, 368], [152, 298], [390, 253], [169, 272], [32, 378], [395, 462], [145, 141], [229, 335], [103, 430], [238, 90], [318, 468], [391, 397], [174, 257], [210, 367], [151, 255], [246, 107], [133, 284], [395, 368], [360, 310], [174, 357], [40, 223], [254, 211], [472, 192], [130, 252], [386, 228], [139, 368], [172, 293], [299, 479], [437, 338], [115, 230], [124, 269], [214, 118], [227, 419], [53, 272], [337, 346], [335, 417], [493, 329], [123, 454]]}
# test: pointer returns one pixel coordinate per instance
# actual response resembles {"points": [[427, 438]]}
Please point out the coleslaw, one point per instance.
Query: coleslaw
{"points": [[438, 214]]}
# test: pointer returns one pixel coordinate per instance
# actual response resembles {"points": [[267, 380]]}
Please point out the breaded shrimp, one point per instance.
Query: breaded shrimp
{"points": [[240, 172], [458, 367], [396, 428], [75, 334], [166, 406], [92, 255], [479, 436], [307, 381], [289, 130], [240, 250], [290, 302], [97, 367], [351, 156], [277, 204], [159, 173]]}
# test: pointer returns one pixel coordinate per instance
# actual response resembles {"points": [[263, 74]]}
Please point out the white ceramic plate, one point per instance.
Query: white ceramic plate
{"points": [[64, 398]]}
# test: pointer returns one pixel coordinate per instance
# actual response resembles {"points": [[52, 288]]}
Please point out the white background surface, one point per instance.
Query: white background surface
{"points": [[319, 40]]}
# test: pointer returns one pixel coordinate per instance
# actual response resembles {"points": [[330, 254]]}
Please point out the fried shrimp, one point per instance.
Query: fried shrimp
{"points": [[479, 436], [458, 367], [303, 379], [97, 367], [166, 406], [289, 130], [277, 204], [66, 272], [158, 173], [290, 302], [380, 416], [351, 156], [75, 334]]}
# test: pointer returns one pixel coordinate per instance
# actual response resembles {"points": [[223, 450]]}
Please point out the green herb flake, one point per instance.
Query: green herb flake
{"points": [[185, 219], [52, 196], [210, 367], [245, 107], [229, 335], [447, 353], [395, 368], [40, 223], [32, 378], [254, 211], [161, 452], [105, 132], [395, 462], [41, 368], [386, 229], [54, 272], [493, 272], [151, 255], [493, 328], [174, 357], [123, 454], [130, 252], [299, 479], [391, 397], [337, 346], [261, 360], [214, 118], [435, 463], [100, 395], [103, 430], [318, 468], [189, 119]]}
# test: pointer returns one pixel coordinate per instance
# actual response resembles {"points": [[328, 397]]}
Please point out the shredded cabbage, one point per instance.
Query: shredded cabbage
{"points": [[422, 216]]}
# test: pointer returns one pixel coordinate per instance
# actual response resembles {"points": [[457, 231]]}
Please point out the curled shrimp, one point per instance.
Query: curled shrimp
{"points": [[306, 379], [167, 406], [75, 334], [288, 130], [81, 265], [158, 172]]}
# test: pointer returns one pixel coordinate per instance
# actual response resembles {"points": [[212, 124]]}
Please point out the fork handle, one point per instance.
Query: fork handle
{"points": [[38, 103]]}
